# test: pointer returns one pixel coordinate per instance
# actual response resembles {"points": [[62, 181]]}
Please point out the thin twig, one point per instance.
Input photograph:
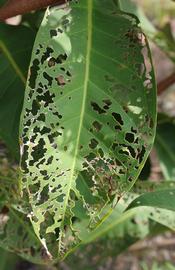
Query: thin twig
{"points": [[149, 244], [16, 7], [164, 84]]}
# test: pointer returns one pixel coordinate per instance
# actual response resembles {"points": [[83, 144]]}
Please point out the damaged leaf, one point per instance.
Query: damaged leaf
{"points": [[88, 119], [17, 235]]}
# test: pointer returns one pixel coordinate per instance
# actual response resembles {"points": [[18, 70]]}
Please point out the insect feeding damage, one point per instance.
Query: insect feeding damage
{"points": [[87, 126]]}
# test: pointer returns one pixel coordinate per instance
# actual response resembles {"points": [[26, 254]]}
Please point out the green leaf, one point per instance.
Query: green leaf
{"points": [[133, 8], [16, 232], [15, 47], [88, 121], [149, 186], [116, 234], [17, 236], [165, 147], [119, 231], [170, 266], [161, 199], [2, 2], [111, 238], [162, 39], [8, 260], [155, 266], [153, 211]]}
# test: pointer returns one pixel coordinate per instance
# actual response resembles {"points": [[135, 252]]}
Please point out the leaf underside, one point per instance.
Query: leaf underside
{"points": [[88, 119]]}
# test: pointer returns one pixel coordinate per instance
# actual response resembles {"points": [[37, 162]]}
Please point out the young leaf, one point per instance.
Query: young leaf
{"points": [[88, 120]]}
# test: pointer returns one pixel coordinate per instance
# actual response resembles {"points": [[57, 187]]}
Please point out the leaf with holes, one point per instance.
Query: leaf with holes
{"points": [[88, 120], [111, 238], [119, 231], [16, 231], [17, 235]]}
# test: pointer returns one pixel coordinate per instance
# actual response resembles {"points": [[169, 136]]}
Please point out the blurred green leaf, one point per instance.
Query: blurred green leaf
{"points": [[133, 8], [122, 229], [169, 266], [113, 236], [15, 48], [165, 147], [161, 199], [7, 260], [17, 236], [149, 186], [158, 266], [2, 2], [118, 232]]}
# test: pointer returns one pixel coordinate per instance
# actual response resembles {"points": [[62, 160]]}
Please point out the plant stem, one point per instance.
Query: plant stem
{"points": [[16, 7]]}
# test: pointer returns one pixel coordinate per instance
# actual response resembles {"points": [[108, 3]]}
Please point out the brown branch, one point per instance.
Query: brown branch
{"points": [[16, 7], [152, 244], [164, 84]]}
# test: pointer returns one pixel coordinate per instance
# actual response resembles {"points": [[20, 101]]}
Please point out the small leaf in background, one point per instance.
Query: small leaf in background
{"points": [[15, 48], [118, 232], [110, 239], [161, 199], [88, 120], [151, 207], [165, 147]]}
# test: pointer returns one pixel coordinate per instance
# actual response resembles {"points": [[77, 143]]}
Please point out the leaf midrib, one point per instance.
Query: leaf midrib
{"points": [[12, 62], [86, 79]]}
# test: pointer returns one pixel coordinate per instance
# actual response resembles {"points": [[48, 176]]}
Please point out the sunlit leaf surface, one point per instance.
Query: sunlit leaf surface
{"points": [[88, 120]]}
